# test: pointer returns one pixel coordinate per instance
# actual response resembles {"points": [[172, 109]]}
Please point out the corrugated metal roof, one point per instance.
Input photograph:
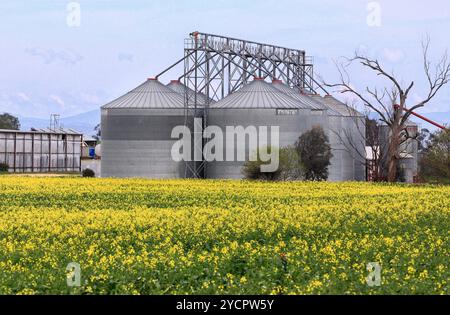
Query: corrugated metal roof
{"points": [[57, 130], [331, 110], [180, 88], [340, 107], [305, 99], [61, 130], [150, 94], [259, 94]]}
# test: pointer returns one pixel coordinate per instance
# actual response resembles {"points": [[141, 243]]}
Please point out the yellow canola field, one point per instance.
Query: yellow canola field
{"points": [[221, 237]]}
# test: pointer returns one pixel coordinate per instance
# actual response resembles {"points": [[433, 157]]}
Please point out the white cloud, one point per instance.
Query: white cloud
{"points": [[90, 98], [57, 100], [393, 55], [23, 97], [50, 56]]}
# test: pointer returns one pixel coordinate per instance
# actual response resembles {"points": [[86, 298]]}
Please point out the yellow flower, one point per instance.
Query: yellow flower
{"points": [[135, 236], [423, 275], [411, 270]]}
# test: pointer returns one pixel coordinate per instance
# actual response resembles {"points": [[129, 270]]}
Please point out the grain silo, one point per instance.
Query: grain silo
{"points": [[136, 133], [254, 105], [332, 118], [347, 139], [354, 137], [408, 152]]}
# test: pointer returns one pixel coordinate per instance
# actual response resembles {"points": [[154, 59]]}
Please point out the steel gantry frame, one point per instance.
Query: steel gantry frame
{"points": [[216, 66], [220, 65]]}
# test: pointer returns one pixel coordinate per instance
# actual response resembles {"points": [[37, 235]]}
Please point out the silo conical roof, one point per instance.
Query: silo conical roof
{"points": [[150, 94], [330, 109], [308, 101], [259, 94], [180, 88], [340, 107]]}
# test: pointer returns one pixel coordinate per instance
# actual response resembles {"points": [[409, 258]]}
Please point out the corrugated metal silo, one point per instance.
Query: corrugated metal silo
{"points": [[334, 134], [256, 104], [408, 151], [136, 133], [351, 139], [330, 120]]}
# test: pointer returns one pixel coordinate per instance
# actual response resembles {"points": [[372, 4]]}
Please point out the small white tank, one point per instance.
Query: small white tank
{"points": [[98, 150]]}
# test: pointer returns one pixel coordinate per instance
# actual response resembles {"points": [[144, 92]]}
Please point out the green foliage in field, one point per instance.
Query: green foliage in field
{"points": [[213, 237]]}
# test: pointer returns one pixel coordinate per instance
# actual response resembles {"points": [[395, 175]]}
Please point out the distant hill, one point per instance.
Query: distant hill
{"points": [[84, 123]]}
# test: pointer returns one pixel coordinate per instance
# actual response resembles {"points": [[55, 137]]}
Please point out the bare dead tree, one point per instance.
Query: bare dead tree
{"points": [[362, 133], [390, 103]]}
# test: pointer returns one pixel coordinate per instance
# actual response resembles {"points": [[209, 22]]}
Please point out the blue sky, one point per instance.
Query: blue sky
{"points": [[48, 67]]}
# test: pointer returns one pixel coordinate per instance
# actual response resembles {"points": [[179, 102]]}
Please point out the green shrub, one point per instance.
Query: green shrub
{"points": [[314, 150], [435, 163], [401, 176], [88, 173], [252, 170], [4, 167], [289, 167]]}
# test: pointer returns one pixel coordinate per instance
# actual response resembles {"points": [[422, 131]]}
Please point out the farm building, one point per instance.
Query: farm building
{"points": [[41, 150], [224, 88], [136, 133], [137, 129]]}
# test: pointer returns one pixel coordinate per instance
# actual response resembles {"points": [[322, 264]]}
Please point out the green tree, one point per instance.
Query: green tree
{"points": [[314, 150], [8, 121], [289, 168], [98, 133], [435, 162]]}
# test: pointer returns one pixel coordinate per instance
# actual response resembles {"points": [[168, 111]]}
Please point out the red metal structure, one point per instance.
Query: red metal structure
{"points": [[424, 118], [429, 121]]}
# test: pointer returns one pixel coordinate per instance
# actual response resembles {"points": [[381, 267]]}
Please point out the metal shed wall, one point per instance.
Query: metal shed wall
{"points": [[39, 151]]}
